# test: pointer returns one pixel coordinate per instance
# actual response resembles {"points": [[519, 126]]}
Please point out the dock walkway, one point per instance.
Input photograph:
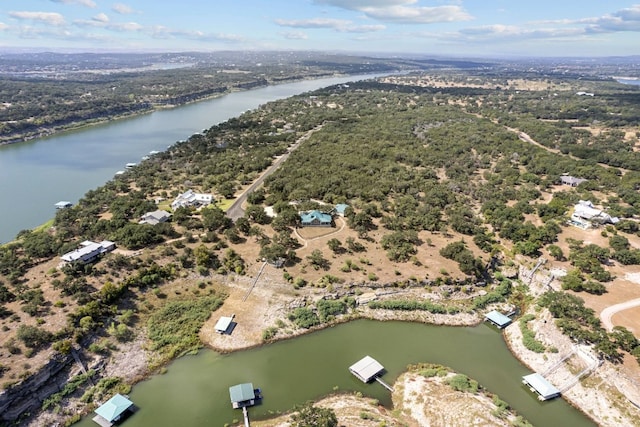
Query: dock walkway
{"points": [[384, 384], [245, 413]]}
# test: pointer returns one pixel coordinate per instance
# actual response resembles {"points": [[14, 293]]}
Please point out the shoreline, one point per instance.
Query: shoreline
{"points": [[134, 363], [89, 123]]}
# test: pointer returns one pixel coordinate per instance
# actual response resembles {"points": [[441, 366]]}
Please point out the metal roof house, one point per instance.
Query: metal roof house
{"points": [[243, 395], [89, 251], [113, 410], [498, 319], [155, 217], [315, 218], [366, 369], [537, 383]]}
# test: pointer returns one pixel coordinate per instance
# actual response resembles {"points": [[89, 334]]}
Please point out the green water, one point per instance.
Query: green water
{"points": [[194, 391]]}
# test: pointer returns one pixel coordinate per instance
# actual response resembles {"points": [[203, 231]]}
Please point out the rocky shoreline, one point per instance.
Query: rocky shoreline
{"points": [[131, 362]]}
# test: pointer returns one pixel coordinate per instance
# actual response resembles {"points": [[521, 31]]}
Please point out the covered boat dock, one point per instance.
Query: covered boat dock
{"points": [[113, 410], [366, 369], [498, 319], [538, 384]]}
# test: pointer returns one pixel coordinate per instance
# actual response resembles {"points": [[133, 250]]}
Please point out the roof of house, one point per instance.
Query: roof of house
{"points": [[572, 180], [311, 216], [242, 392], [223, 323], [585, 209], [366, 368], [156, 216], [88, 250], [114, 407], [541, 385], [498, 318], [63, 204]]}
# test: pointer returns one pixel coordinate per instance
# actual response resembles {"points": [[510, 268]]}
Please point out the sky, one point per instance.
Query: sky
{"points": [[478, 28]]}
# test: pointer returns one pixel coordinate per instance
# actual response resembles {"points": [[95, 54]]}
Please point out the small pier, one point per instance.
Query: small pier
{"points": [[245, 414], [384, 384]]}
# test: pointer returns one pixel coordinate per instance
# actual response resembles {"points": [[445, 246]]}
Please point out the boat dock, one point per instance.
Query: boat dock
{"points": [[368, 369]]}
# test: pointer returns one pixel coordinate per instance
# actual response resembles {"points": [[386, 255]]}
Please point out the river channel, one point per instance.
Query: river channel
{"points": [[195, 390], [36, 174]]}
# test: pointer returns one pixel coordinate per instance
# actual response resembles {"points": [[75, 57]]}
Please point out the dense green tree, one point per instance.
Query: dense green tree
{"points": [[313, 416]]}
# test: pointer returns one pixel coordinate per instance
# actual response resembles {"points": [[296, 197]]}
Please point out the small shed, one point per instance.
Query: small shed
{"points": [[538, 384], [366, 369], [63, 204], [224, 324], [498, 319], [243, 395], [113, 410]]}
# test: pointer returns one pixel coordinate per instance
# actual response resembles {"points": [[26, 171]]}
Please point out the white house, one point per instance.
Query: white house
{"points": [[585, 210], [191, 199], [89, 251]]}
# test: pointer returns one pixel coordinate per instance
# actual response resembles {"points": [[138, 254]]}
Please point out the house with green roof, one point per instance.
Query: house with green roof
{"points": [[315, 218]]}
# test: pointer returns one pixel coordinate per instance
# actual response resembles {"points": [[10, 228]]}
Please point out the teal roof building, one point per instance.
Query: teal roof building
{"points": [[242, 395], [315, 218], [112, 410]]}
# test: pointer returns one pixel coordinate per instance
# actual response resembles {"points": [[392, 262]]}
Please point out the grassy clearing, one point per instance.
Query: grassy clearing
{"points": [[173, 329]]}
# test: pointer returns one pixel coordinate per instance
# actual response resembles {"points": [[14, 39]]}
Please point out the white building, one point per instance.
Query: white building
{"points": [[89, 251], [191, 199], [585, 210]]}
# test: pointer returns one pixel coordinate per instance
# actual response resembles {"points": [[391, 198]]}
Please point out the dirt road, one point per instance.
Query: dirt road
{"points": [[236, 211], [608, 312]]}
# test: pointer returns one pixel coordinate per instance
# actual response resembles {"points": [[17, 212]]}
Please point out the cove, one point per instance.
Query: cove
{"points": [[38, 173], [194, 391]]}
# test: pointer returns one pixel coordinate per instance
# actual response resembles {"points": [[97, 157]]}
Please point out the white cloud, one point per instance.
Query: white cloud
{"points": [[125, 26], [402, 11], [122, 9], [101, 17], [418, 15], [51, 18], [87, 3], [294, 35], [340, 25], [162, 32], [3, 26], [363, 4], [313, 23]]}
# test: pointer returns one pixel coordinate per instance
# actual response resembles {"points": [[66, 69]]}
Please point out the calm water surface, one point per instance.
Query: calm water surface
{"points": [[195, 390], [34, 175]]}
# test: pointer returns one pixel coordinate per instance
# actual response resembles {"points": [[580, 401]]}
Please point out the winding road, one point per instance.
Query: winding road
{"points": [[608, 312]]}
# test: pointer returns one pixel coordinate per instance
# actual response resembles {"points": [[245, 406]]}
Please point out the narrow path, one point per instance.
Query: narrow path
{"points": [[608, 312]]}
